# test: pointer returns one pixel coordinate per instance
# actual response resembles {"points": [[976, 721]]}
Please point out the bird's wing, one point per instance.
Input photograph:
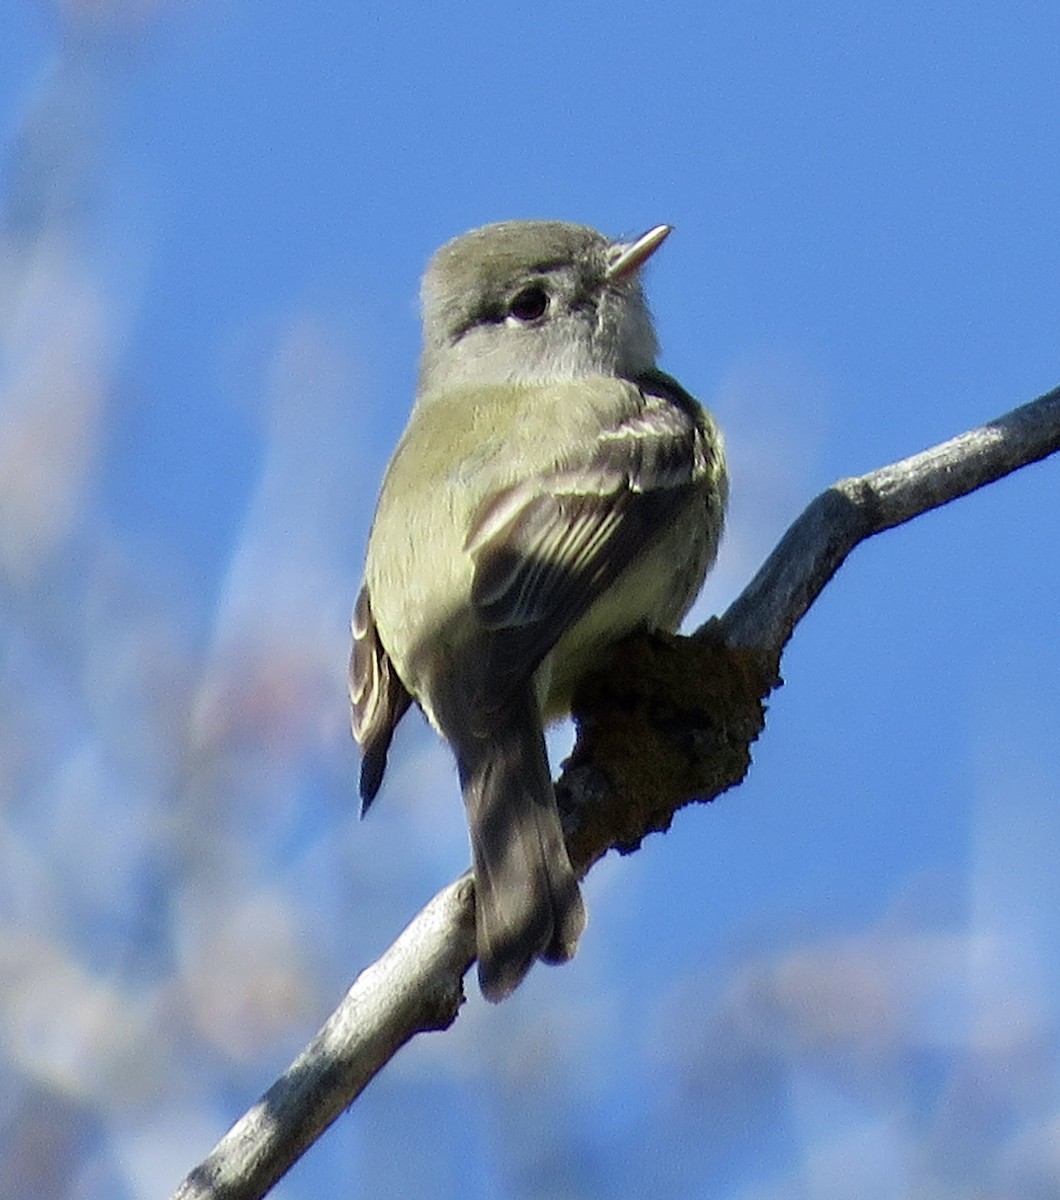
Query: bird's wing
{"points": [[378, 699], [545, 548]]}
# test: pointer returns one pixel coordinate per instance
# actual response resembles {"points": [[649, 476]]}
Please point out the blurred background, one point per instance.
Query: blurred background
{"points": [[840, 980]]}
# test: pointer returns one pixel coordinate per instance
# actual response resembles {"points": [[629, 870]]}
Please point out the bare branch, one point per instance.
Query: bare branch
{"points": [[814, 548], [417, 985]]}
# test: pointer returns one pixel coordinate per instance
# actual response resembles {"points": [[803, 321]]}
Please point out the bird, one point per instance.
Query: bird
{"points": [[553, 491]]}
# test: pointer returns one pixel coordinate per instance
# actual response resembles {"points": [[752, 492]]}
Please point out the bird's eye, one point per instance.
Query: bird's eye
{"points": [[529, 304]]}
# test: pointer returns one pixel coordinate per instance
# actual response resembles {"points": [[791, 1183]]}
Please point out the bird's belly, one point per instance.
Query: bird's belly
{"points": [[646, 596]]}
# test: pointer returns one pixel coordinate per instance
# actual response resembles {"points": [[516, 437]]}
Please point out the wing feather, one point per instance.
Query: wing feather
{"points": [[378, 699], [545, 548]]}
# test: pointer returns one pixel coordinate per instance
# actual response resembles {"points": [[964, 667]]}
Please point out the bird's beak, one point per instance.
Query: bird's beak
{"points": [[628, 257]]}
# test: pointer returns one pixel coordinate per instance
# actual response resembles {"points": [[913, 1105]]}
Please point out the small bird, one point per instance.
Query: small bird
{"points": [[552, 492]]}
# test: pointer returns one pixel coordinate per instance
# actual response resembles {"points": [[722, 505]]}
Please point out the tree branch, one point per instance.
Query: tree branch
{"points": [[416, 986], [670, 722], [813, 549]]}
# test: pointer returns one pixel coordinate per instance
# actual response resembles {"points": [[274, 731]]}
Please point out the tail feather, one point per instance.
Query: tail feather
{"points": [[527, 901]]}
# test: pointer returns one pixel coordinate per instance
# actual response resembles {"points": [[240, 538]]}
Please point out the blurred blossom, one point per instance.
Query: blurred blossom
{"points": [[49, 1142], [74, 1032], [879, 1035], [55, 335], [281, 633], [246, 977], [128, 760], [52, 392], [271, 696], [139, 666]]}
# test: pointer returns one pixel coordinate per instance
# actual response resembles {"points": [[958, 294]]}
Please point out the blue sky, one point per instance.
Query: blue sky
{"points": [[840, 979]]}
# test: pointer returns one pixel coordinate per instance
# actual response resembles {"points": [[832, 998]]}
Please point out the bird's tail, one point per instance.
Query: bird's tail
{"points": [[527, 902]]}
